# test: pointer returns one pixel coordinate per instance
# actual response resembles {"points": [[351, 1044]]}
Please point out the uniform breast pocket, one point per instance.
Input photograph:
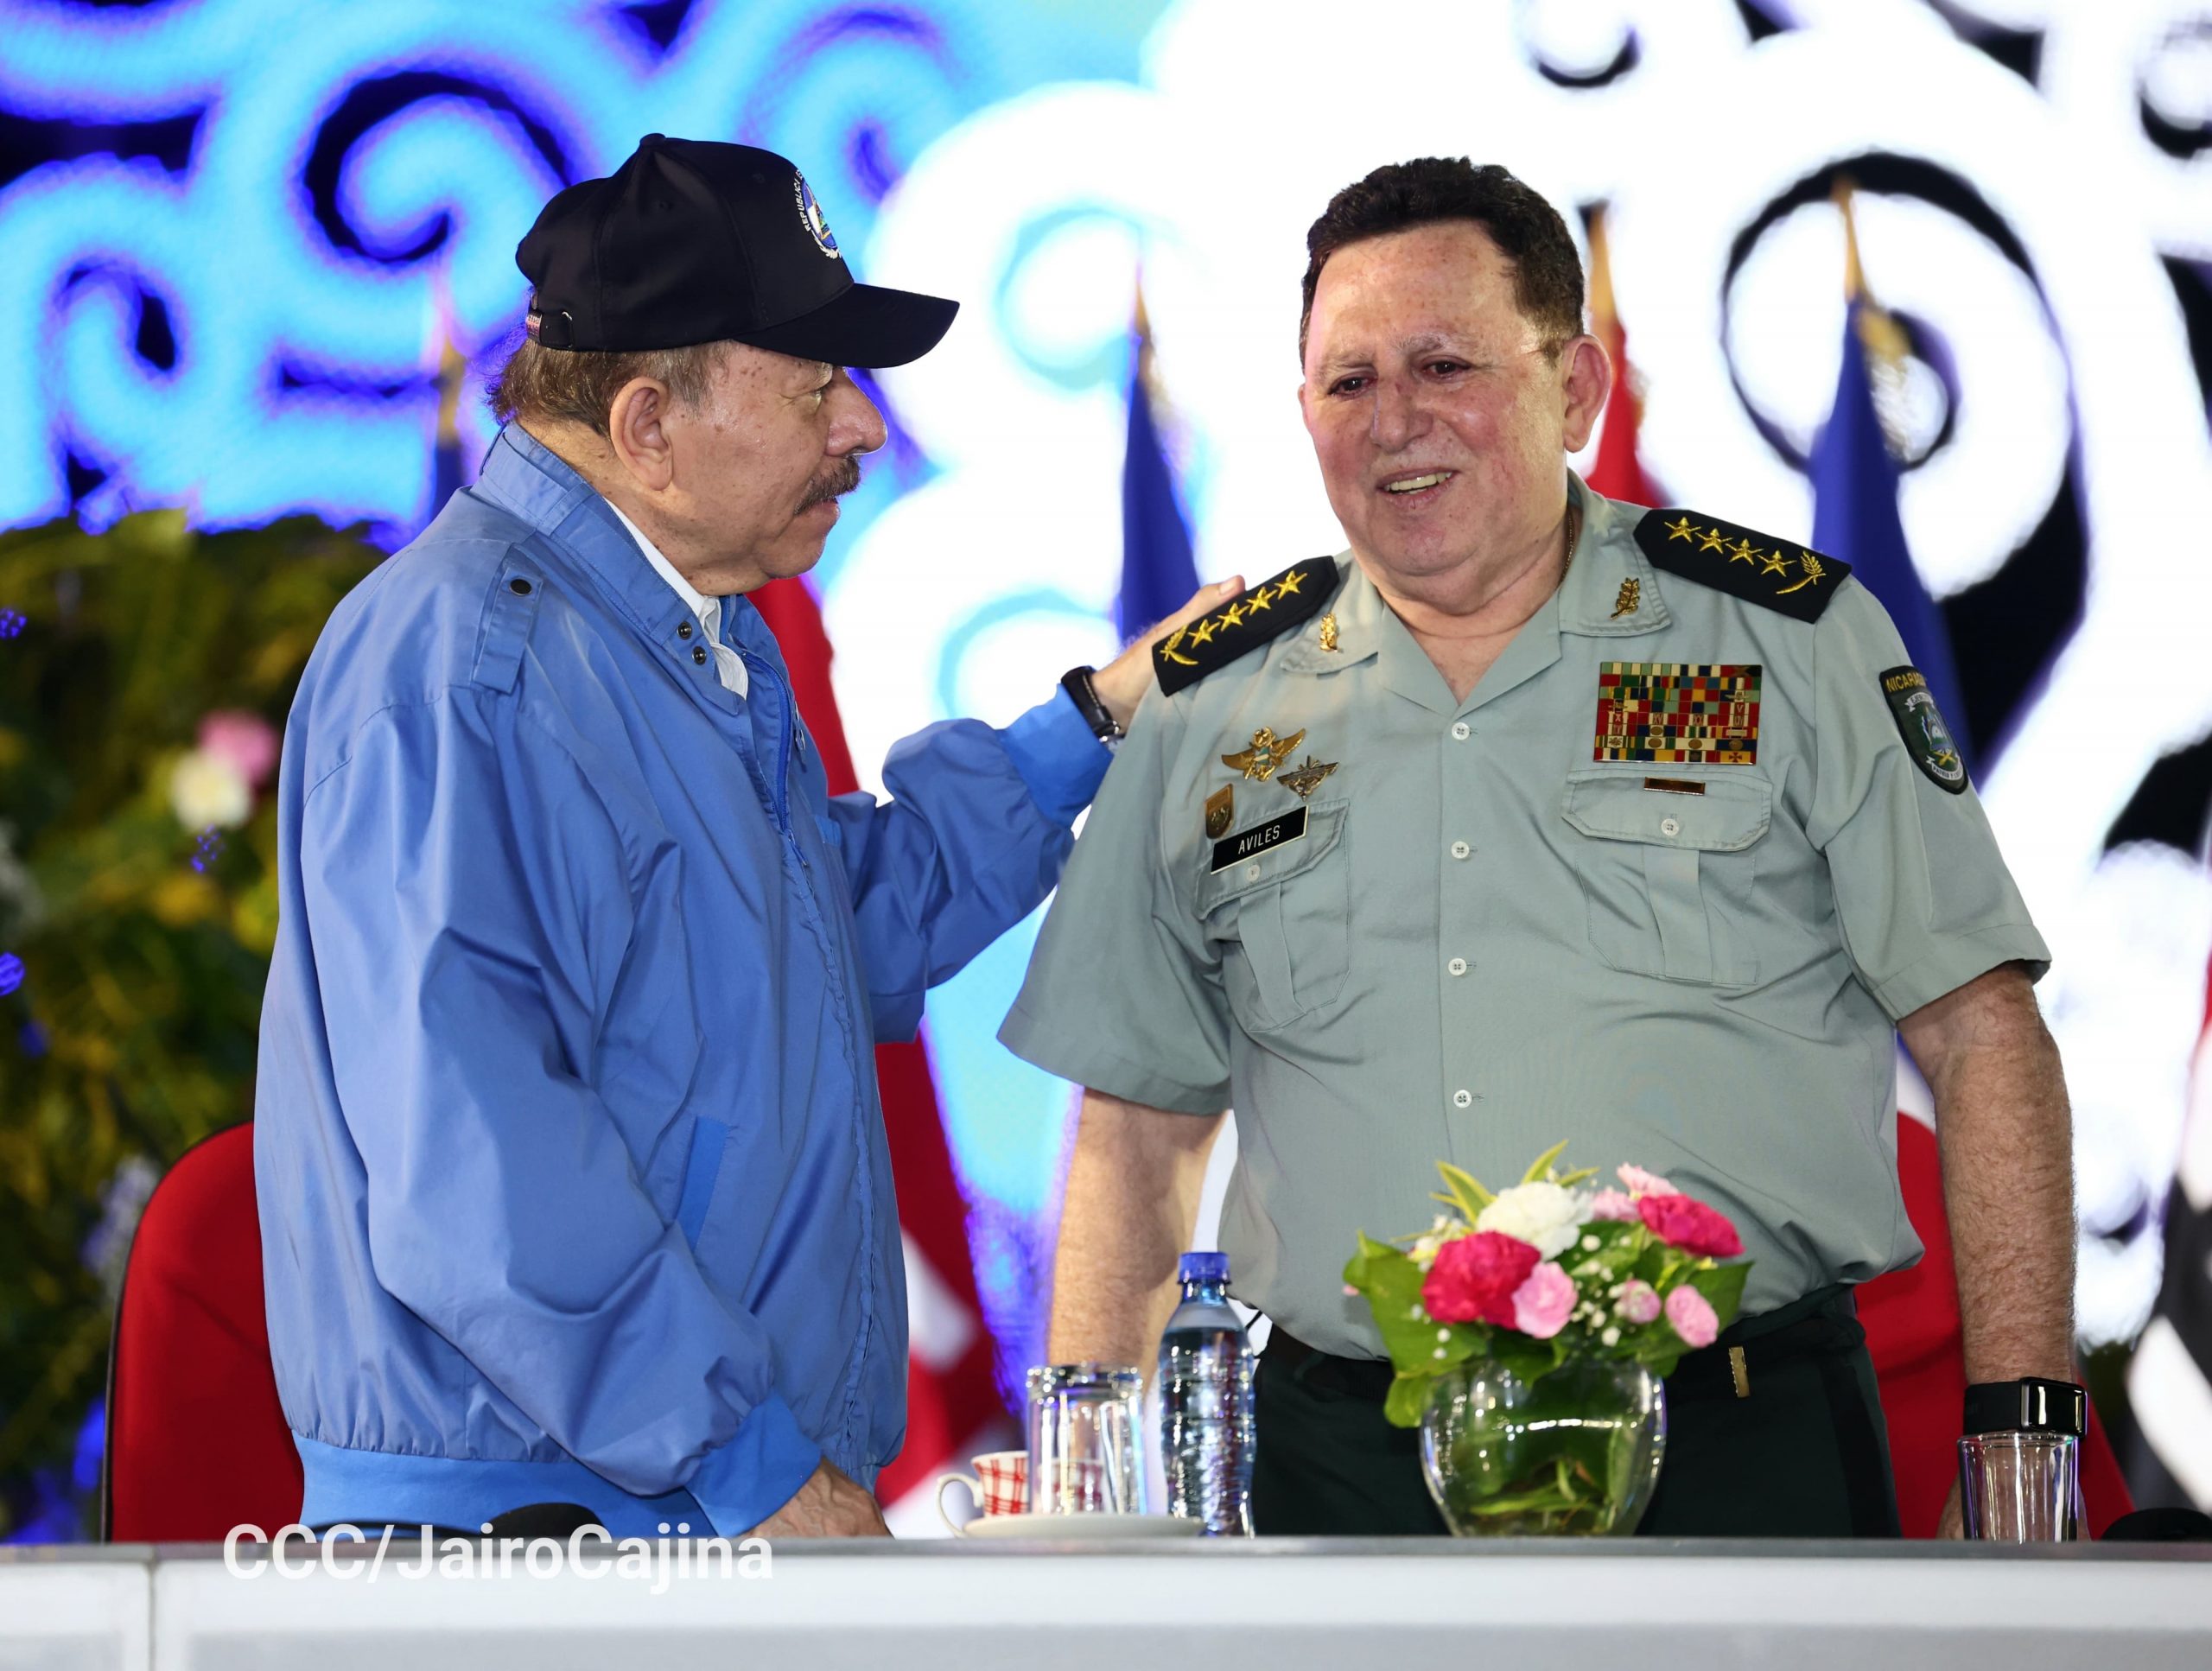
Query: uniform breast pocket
{"points": [[1667, 874], [1282, 919]]}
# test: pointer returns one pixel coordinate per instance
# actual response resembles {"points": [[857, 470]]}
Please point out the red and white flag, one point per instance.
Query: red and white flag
{"points": [[1618, 470], [2169, 1378], [953, 1408]]}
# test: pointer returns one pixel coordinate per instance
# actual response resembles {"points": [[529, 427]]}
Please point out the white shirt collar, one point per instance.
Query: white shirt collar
{"points": [[729, 666]]}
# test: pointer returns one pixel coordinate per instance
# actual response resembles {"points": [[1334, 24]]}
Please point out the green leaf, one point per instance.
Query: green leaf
{"points": [[1544, 1499], [1408, 1398], [1467, 1190], [1542, 1164], [1723, 1288], [1391, 1283]]}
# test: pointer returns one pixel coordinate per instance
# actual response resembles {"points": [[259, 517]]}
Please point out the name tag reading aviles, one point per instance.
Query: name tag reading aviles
{"points": [[1250, 843]]}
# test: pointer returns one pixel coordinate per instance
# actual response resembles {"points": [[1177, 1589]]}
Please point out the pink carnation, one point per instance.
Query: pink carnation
{"points": [[246, 741], [1544, 1303], [1639, 1182], [1690, 1225], [1639, 1302], [1611, 1205], [1474, 1279], [1693, 1316]]}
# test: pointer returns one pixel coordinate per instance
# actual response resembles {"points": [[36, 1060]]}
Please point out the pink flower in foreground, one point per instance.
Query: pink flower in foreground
{"points": [[1639, 1302], [1474, 1279], [246, 741], [1544, 1303], [1640, 1182], [1690, 1225], [1693, 1317], [1611, 1205]]}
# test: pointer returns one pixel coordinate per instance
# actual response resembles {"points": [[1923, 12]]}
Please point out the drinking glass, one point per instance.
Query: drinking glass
{"points": [[1085, 1426]]}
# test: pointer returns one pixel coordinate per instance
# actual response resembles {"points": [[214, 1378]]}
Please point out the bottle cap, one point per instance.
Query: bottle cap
{"points": [[2030, 1405], [1203, 1268]]}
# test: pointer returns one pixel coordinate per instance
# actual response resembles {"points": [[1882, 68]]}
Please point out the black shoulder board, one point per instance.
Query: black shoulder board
{"points": [[1742, 561], [1245, 622]]}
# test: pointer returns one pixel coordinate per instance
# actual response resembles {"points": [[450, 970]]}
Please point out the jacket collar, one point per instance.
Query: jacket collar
{"points": [[528, 479]]}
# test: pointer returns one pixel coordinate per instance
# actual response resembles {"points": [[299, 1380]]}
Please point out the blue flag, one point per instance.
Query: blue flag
{"points": [[1855, 518], [1158, 572]]}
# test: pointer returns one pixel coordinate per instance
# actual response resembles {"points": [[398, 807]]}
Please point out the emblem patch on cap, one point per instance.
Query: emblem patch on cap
{"points": [[1678, 711], [817, 223], [1926, 739]]}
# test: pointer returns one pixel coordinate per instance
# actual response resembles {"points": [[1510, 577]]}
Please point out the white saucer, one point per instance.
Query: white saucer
{"points": [[1081, 1527]]}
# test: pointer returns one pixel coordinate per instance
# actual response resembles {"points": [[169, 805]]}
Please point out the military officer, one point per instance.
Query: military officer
{"points": [[1534, 816]]}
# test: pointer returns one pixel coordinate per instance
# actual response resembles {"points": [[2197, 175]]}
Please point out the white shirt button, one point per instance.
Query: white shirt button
{"points": [[1461, 1099], [1459, 731], [1251, 873], [1460, 850], [1670, 826], [1458, 966]]}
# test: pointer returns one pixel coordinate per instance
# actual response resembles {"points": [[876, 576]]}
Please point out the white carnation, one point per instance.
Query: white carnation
{"points": [[208, 792], [1548, 1216]]}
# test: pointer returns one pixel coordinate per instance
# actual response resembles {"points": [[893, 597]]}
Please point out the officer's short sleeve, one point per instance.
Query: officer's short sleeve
{"points": [[1122, 993], [1922, 893]]}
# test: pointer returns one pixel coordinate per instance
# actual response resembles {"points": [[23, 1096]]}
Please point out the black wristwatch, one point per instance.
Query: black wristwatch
{"points": [[1077, 682]]}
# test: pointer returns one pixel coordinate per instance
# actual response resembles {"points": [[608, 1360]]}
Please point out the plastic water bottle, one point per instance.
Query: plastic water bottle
{"points": [[1205, 1403]]}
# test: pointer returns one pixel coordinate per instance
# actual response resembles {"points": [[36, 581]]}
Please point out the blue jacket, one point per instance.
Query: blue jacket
{"points": [[572, 1173]]}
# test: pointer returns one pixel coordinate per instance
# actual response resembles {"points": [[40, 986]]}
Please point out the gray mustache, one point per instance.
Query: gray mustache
{"points": [[839, 482]]}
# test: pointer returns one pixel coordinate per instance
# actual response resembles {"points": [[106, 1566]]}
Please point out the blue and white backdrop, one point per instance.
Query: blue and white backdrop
{"points": [[229, 229]]}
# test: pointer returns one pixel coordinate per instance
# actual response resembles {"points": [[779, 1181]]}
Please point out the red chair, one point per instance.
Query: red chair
{"points": [[1911, 1319], [196, 1441]]}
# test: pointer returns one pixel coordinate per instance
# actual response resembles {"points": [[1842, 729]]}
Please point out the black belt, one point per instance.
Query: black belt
{"points": [[1823, 1322]]}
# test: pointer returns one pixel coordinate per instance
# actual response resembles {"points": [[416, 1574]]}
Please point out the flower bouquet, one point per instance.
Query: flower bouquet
{"points": [[1530, 1330]]}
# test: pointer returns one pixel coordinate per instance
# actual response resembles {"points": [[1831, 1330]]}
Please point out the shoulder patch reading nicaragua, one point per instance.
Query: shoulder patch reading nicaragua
{"points": [[1245, 622], [1926, 739], [1741, 562]]}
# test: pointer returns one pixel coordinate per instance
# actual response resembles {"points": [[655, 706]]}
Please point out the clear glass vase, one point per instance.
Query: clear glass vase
{"points": [[1575, 1452]]}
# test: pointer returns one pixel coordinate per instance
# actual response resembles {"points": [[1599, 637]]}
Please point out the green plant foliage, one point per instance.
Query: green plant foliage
{"points": [[143, 976]]}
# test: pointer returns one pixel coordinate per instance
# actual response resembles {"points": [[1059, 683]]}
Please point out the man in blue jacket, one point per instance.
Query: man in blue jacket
{"points": [[573, 1180]]}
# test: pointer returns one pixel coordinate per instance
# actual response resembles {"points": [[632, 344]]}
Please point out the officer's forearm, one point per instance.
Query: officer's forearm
{"points": [[2006, 1135], [1132, 1201]]}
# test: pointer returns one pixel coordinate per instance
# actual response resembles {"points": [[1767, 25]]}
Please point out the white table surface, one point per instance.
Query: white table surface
{"points": [[1287, 1605]]}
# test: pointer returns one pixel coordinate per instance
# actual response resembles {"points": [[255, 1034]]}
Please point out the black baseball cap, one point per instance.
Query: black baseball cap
{"points": [[694, 240]]}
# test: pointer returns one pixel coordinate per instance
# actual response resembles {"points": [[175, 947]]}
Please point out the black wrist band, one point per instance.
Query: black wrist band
{"points": [[2032, 1404], [1077, 682]]}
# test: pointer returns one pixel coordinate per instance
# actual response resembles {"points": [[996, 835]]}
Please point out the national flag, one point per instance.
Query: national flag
{"points": [[953, 1408], [2169, 1378], [1618, 471], [1855, 482], [1158, 573]]}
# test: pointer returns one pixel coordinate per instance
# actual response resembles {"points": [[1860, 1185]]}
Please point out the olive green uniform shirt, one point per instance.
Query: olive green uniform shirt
{"points": [[1493, 933]]}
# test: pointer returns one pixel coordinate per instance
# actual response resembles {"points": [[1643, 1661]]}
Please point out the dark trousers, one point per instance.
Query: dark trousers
{"points": [[1803, 1455]]}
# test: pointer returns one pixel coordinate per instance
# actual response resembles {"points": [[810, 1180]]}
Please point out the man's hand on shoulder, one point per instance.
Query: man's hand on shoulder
{"points": [[832, 1504], [1120, 684]]}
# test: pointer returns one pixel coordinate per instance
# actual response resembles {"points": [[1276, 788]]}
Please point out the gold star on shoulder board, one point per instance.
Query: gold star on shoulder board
{"points": [[1203, 632], [1288, 585], [1814, 574], [1743, 551], [1259, 600], [1234, 615], [1775, 561], [1713, 539], [1680, 530]]}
